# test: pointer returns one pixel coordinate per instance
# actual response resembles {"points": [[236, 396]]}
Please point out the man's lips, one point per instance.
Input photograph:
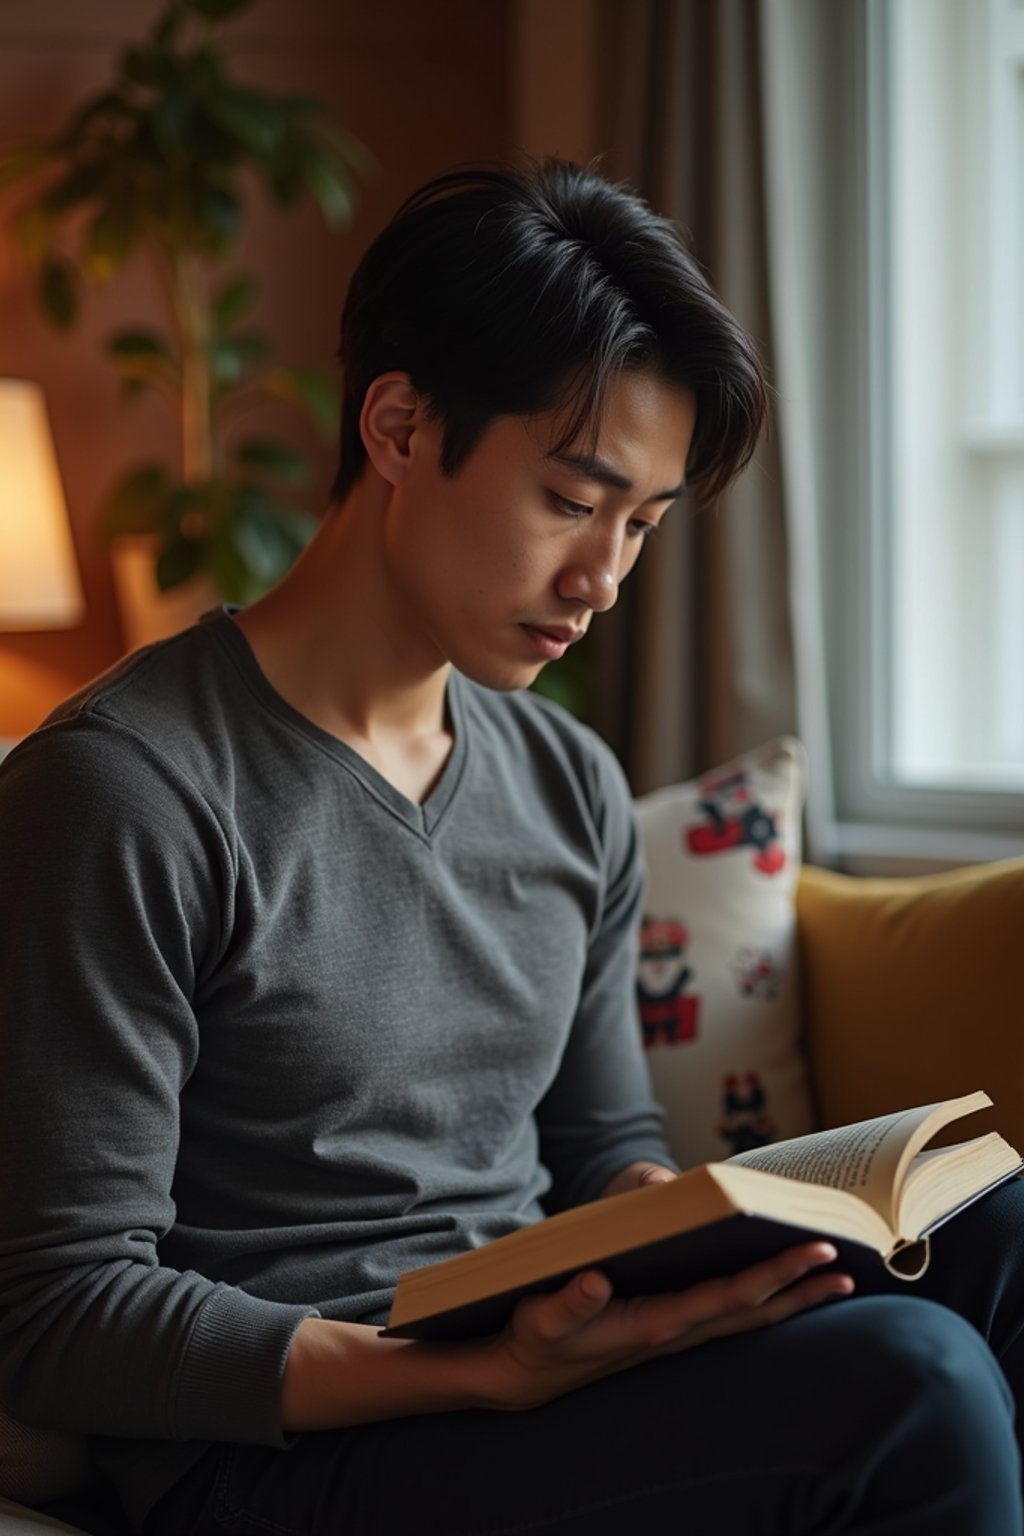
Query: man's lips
{"points": [[552, 640]]}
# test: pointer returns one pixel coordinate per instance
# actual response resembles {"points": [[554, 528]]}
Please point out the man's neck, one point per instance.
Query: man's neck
{"points": [[330, 640]]}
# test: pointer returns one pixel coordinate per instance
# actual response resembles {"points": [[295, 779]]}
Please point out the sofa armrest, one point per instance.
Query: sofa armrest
{"points": [[17, 1520], [912, 991]]}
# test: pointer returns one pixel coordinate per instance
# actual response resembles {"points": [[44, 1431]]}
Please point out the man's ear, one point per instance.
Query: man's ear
{"points": [[392, 412]]}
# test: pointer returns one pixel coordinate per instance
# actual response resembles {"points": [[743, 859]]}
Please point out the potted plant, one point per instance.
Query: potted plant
{"points": [[155, 164]]}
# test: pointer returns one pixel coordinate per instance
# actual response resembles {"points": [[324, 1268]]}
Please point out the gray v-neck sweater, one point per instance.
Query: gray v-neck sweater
{"points": [[273, 1034]]}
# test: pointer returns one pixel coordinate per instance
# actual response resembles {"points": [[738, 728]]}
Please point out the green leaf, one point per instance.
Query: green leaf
{"points": [[143, 358], [138, 343], [277, 458], [296, 105], [250, 118], [258, 531], [329, 182], [263, 550], [192, 508], [58, 292], [350, 150], [255, 541], [229, 573], [284, 182], [217, 216], [233, 300], [178, 559], [314, 390], [298, 527], [231, 356], [550, 684], [137, 503], [170, 121], [570, 682], [110, 240], [226, 558]]}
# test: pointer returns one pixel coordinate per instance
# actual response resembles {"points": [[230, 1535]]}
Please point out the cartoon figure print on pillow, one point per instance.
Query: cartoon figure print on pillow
{"points": [[668, 1010], [717, 982], [758, 973], [734, 818], [745, 1122]]}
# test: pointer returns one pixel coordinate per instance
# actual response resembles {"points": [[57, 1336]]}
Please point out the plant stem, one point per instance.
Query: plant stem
{"points": [[196, 402]]}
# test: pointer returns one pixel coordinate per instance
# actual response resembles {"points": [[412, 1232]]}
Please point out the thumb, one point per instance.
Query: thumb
{"points": [[589, 1293], [553, 1315], [655, 1175]]}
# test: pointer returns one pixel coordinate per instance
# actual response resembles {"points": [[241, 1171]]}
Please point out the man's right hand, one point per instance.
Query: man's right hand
{"points": [[557, 1342], [340, 1374]]}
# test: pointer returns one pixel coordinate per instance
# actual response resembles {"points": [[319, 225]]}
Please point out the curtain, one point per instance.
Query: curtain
{"points": [[716, 642]]}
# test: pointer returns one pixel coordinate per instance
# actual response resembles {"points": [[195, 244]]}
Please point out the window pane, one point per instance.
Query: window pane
{"points": [[954, 325]]}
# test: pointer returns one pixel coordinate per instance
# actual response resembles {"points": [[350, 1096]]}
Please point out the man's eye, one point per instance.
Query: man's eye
{"points": [[570, 508]]}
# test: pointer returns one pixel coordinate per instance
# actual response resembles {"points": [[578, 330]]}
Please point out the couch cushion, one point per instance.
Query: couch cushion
{"points": [[913, 993], [719, 994]]}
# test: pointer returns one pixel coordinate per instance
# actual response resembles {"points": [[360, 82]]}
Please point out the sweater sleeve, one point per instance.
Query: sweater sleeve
{"points": [[115, 901], [600, 1114]]}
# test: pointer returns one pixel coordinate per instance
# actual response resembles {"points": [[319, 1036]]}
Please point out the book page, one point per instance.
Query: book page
{"points": [[866, 1159], [940, 1181]]}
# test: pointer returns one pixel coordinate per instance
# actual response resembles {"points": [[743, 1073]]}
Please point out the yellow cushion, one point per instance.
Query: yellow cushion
{"points": [[913, 991]]}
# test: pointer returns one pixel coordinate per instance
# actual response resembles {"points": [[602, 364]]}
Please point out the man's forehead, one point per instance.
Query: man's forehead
{"points": [[639, 442], [591, 466]]}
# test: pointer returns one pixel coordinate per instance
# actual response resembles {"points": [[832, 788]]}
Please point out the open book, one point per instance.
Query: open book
{"points": [[870, 1188]]}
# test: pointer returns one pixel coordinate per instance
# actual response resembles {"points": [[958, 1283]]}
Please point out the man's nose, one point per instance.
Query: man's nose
{"points": [[593, 578]]}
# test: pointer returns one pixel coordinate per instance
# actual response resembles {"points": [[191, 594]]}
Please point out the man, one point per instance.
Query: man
{"points": [[319, 964]]}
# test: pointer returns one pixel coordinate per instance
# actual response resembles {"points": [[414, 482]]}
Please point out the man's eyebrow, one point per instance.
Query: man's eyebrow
{"points": [[599, 470]]}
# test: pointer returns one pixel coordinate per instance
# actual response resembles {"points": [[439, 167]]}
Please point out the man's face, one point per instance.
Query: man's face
{"points": [[499, 569]]}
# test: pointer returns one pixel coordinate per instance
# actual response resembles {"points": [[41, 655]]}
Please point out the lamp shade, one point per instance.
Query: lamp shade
{"points": [[39, 582]]}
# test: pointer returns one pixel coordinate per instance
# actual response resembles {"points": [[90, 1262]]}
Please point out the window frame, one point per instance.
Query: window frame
{"points": [[878, 820]]}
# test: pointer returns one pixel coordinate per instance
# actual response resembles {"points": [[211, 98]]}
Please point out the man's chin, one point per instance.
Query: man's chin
{"points": [[501, 679]]}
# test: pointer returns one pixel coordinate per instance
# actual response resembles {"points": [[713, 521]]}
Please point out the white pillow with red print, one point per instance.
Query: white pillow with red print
{"points": [[717, 978]]}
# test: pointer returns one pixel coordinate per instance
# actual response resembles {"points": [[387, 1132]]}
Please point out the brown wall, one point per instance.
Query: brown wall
{"points": [[424, 85]]}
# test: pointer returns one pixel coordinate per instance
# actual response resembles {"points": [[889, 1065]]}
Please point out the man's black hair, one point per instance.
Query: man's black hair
{"points": [[518, 290]]}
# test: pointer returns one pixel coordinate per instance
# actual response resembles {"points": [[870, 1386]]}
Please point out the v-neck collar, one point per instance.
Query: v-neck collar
{"points": [[422, 819]]}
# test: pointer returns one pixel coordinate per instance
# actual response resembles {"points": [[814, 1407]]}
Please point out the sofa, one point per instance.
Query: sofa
{"points": [[19, 1520], [776, 995]]}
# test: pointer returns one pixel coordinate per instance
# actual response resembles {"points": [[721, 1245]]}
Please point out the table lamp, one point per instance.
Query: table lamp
{"points": [[39, 581], [39, 584]]}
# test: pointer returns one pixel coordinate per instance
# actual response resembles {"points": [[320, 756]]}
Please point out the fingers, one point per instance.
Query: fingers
{"points": [[755, 1286], [769, 1288], [565, 1338], [765, 1293], [798, 1298], [762, 1293], [551, 1317]]}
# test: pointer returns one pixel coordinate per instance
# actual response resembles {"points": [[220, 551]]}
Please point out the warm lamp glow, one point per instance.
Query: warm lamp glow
{"points": [[39, 583]]}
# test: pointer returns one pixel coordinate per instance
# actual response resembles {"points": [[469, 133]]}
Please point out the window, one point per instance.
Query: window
{"points": [[932, 685]]}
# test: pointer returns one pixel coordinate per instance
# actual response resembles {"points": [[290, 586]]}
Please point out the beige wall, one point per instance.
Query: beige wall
{"points": [[424, 85]]}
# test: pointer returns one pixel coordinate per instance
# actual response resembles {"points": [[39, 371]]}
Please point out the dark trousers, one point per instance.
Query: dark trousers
{"points": [[891, 1414]]}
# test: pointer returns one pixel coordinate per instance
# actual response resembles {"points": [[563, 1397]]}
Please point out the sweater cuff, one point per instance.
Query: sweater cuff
{"points": [[229, 1386], [601, 1171]]}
